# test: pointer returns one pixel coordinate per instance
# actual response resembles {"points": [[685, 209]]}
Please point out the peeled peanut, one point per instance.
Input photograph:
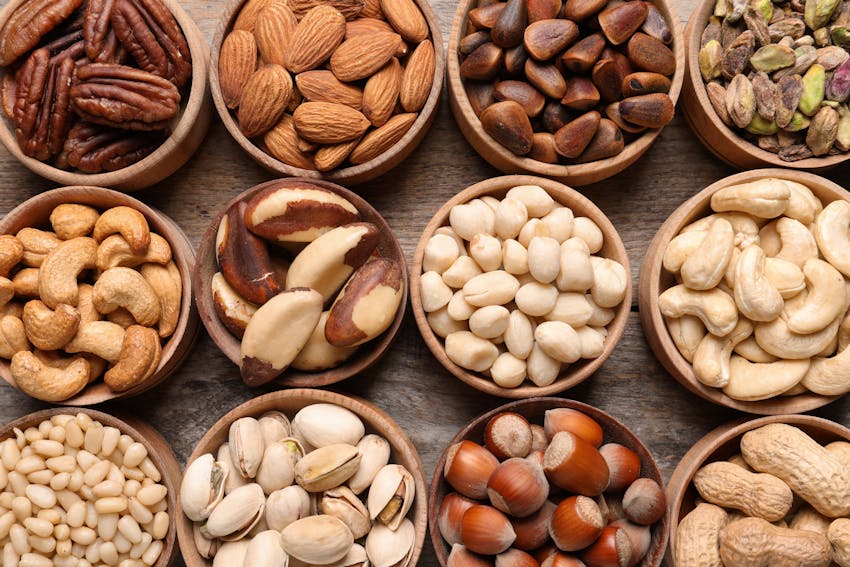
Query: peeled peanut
{"points": [[489, 322], [536, 200], [592, 341], [571, 308], [543, 258], [558, 340], [519, 334], [508, 371], [532, 228], [491, 288], [536, 299], [511, 216], [471, 352], [588, 231], [514, 257], [610, 282], [486, 250], [542, 369], [443, 324], [463, 269], [458, 308], [440, 253], [434, 292], [560, 222], [576, 271], [468, 220]]}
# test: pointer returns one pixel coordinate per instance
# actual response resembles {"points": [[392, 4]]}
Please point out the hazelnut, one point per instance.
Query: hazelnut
{"points": [[468, 467], [486, 530], [508, 435], [576, 523], [623, 466], [539, 441], [462, 557], [612, 549], [533, 531], [558, 559], [566, 419], [575, 465], [451, 513], [640, 536], [516, 558], [518, 487], [644, 502]]}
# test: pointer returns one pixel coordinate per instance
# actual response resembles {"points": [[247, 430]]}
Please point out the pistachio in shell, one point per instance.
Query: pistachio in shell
{"points": [[231, 553], [838, 87], [317, 540], [391, 495], [202, 488], [207, 548], [342, 503], [236, 514], [327, 467], [356, 557], [233, 480], [388, 548], [246, 443], [327, 424], [286, 506], [717, 97], [764, 91], [374, 455], [277, 469], [274, 426], [265, 550], [710, 60]]}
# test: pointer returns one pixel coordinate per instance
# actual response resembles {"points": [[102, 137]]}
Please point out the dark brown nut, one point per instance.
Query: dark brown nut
{"points": [[471, 42], [486, 16], [546, 38], [546, 78], [765, 92], [543, 148], [644, 82], [123, 97], [574, 137], [729, 32], [656, 25], [769, 144], [483, 64], [94, 149], [581, 94], [789, 91], [233, 311], [620, 22], [515, 59], [508, 124], [555, 115], [518, 91], [480, 95], [822, 131], [607, 142], [649, 54], [612, 111], [29, 23], [9, 91], [542, 10], [652, 110], [510, 25], [621, 60], [580, 57], [98, 35], [608, 80], [149, 32], [737, 55], [578, 10]]}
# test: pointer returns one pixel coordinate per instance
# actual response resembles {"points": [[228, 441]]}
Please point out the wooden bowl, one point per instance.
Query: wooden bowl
{"points": [[506, 161], [533, 410], [158, 450], [289, 402], [654, 280], [721, 140], [722, 443], [352, 174], [613, 248], [188, 129], [35, 213], [368, 354]]}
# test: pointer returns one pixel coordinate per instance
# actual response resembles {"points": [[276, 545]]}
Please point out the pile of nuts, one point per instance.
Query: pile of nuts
{"points": [[325, 83], [74, 492], [75, 99], [526, 295], [784, 500], [277, 306], [762, 307], [556, 498], [567, 82], [46, 312], [780, 73], [280, 491]]}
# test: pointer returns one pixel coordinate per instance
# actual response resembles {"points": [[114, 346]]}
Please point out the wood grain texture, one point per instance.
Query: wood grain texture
{"points": [[428, 402]]}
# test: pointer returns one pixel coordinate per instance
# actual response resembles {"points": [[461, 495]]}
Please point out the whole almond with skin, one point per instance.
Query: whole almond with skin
{"points": [[317, 35], [247, 18], [381, 139], [365, 26], [264, 99], [546, 38], [372, 9], [236, 63], [282, 142], [418, 77], [274, 30], [572, 139], [508, 124], [331, 157], [351, 9], [381, 93], [362, 56], [323, 86], [329, 123], [406, 18]]}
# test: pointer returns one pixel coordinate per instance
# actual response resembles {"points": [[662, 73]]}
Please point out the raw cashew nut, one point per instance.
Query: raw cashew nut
{"points": [[776, 338], [129, 223], [687, 333], [757, 299], [11, 253], [750, 349], [101, 338], [698, 536], [824, 302], [803, 205], [785, 276], [47, 383], [829, 376], [681, 248], [769, 240], [57, 282], [750, 381], [832, 232], [141, 352], [610, 282], [711, 359], [72, 221], [745, 226], [839, 536], [26, 282], [168, 286], [754, 542], [125, 287], [116, 251], [797, 243], [715, 308], [705, 267], [755, 494], [844, 333], [13, 338], [49, 329], [764, 198]]}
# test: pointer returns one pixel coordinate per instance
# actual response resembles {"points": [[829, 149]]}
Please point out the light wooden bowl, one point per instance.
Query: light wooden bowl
{"points": [[352, 174], [289, 402], [506, 161], [654, 280], [613, 248], [158, 450], [188, 129], [35, 213], [722, 443], [721, 140], [368, 354], [533, 410]]}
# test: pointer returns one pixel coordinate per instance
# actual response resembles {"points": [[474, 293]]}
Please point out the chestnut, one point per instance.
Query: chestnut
{"points": [[574, 421], [516, 558], [640, 536], [462, 557], [468, 467], [623, 466], [612, 549], [518, 487], [533, 532], [486, 530], [576, 523], [575, 465], [644, 502], [451, 513], [508, 435]]}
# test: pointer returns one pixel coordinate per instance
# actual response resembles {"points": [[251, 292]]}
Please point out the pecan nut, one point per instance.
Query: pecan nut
{"points": [[124, 97], [29, 23], [101, 42], [95, 149]]}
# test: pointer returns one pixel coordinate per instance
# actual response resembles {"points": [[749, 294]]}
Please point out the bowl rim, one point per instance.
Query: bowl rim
{"points": [[195, 112], [229, 345], [607, 421], [649, 286], [575, 373], [372, 416], [179, 345], [355, 174]]}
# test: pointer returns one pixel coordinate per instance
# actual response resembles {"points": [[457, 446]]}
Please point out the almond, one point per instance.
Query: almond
{"points": [[282, 142], [318, 34], [367, 26], [248, 14], [331, 157], [418, 77], [406, 18], [381, 139], [372, 9], [236, 63], [329, 123], [381, 93], [361, 56], [323, 86], [264, 99], [275, 25], [351, 9]]}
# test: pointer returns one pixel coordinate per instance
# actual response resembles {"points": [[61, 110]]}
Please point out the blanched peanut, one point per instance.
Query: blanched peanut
{"points": [[519, 335], [435, 293], [592, 342], [571, 308], [440, 252], [542, 369], [508, 371], [532, 229], [560, 222], [471, 352], [487, 252], [514, 257], [463, 269], [543, 258], [610, 282], [588, 231], [458, 308], [447, 230], [575, 270], [536, 200], [536, 299], [511, 216], [469, 220], [491, 288], [558, 340], [489, 322]]}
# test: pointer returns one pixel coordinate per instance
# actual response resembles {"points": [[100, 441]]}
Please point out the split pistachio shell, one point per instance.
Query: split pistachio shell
{"points": [[327, 467], [277, 469], [388, 548], [342, 503], [274, 426], [231, 554], [233, 479], [207, 548], [329, 424], [202, 487], [317, 540], [246, 446], [374, 455], [265, 550], [286, 506], [356, 557], [236, 514], [391, 495]]}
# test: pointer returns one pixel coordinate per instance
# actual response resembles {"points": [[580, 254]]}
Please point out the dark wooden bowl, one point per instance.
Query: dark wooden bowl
{"points": [[403, 452], [368, 354], [654, 280], [506, 161], [352, 174], [35, 212], [188, 130], [612, 248], [533, 410], [722, 443], [158, 450], [721, 140]]}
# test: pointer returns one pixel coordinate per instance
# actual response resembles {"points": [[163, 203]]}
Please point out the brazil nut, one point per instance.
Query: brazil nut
{"points": [[244, 259]]}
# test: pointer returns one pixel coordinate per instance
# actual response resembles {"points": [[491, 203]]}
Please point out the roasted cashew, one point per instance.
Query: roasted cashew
{"points": [[610, 282], [124, 287], [12, 308], [687, 333], [55, 359], [129, 223], [11, 253], [803, 205], [776, 338], [711, 359], [746, 227], [705, 267], [785, 276], [122, 318], [141, 352], [166, 283], [85, 305], [26, 283], [37, 245], [100, 338], [824, 301], [764, 198], [829, 376], [715, 308], [116, 251], [798, 244], [681, 248], [72, 221], [7, 291], [49, 329], [13, 338], [749, 381], [47, 383], [755, 296], [57, 282], [832, 232], [751, 350]]}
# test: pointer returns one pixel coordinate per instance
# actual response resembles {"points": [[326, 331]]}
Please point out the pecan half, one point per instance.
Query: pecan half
{"points": [[101, 42], [95, 149], [149, 32], [124, 97], [30, 23], [9, 91]]}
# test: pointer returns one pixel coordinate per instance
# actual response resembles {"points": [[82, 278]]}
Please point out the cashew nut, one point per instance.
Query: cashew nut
{"points": [[12, 308], [124, 287], [168, 286], [705, 267], [764, 198], [100, 338], [54, 359], [122, 318], [715, 308], [803, 205], [751, 381], [116, 251], [13, 337], [711, 359], [49, 329], [757, 299], [824, 301], [576, 271], [129, 223], [72, 221], [785, 276], [687, 333], [681, 248], [85, 305], [45, 382], [797, 243], [7, 291], [11, 253], [832, 232], [750, 349], [141, 352], [769, 240], [776, 338], [37, 245], [26, 283], [844, 333], [745, 226], [829, 376], [610, 282], [57, 282]]}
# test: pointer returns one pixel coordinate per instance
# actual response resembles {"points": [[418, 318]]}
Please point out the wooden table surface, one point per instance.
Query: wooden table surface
{"points": [[427, 401]]}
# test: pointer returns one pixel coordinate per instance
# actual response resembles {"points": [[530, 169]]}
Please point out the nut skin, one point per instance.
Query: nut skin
{"points": [[518, 487], [575, 465], [486, 530], [468, 467]]}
